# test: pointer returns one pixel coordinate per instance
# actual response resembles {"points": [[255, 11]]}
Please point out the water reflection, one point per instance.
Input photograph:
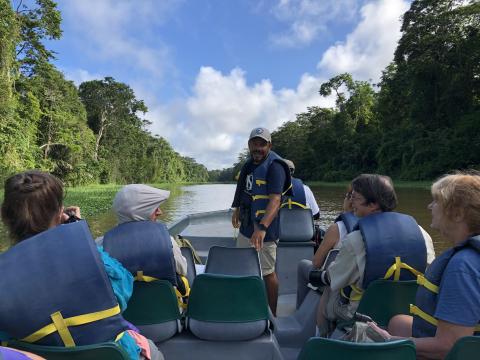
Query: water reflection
{"points": [[199, 198]]}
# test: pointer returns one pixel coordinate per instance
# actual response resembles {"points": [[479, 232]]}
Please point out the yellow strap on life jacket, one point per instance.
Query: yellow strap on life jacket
{"points": [[415, 310], [355, 295], [181, 299], [397, 267], [119, 336], [289, 202], [423, 281], [286, 190], [258, 212], [260, 182], [144, 278], [61, 325], [62, 329], [258, 197]]}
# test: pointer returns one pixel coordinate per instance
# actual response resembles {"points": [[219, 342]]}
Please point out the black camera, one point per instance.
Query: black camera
{"points": [[318, 278], [71, 217]]}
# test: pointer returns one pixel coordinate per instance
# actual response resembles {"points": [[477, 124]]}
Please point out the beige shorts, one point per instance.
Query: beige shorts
{"points": [[268, 253]]}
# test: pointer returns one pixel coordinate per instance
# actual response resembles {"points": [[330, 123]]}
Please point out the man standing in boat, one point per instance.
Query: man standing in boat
{"points": [[384, 244], [263, 180]]}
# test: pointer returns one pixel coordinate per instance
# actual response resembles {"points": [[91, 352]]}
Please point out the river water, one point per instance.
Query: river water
{"points": [[199, 198]]}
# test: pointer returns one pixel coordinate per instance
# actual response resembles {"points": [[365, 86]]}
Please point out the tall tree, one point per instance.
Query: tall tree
{"points": [[109, 103], [36, 23]]}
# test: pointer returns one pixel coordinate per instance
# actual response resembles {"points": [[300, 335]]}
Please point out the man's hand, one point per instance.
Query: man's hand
{"points": [[236, 218], [257, 238]]}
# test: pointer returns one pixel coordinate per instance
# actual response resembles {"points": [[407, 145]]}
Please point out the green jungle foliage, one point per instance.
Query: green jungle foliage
{"points": [[420, 121], [91, 134]]}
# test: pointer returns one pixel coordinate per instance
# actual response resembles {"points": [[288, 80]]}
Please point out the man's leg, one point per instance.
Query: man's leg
{"points": [[268, 256], [271, 282]]}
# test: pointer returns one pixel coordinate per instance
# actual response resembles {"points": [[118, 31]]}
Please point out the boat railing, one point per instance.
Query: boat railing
{"points": [[181, 224]]}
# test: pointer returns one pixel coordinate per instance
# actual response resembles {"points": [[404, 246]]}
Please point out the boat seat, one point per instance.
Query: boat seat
{"points": [[104, 351], [227, 308], [233, 261], [466, 348], [153, 308], [321, 348], [191, 270], [295, 225], [295, 234], [384, 299]]}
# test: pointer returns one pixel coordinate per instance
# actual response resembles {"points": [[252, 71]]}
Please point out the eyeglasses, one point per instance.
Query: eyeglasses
{"points": [[356, 197], [348, 196]]}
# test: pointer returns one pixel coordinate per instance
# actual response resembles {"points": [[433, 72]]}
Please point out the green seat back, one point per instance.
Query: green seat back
{"points": [[320, 348], [104, 351], [384, 299], [227, 298], [152, 303], [466, 348]]}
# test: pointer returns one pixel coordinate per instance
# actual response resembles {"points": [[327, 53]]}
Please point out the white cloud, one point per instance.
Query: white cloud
{"points": [[119, 32], [212, 123], [308, 19], [223, 109], [80, 75], [370, 47]]}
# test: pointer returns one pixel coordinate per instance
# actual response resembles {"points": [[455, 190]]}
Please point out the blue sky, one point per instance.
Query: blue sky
{"points": [[211, 70]]}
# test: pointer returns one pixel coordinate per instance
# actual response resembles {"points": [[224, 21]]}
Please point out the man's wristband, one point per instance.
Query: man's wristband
{"points": [[262, 227]]}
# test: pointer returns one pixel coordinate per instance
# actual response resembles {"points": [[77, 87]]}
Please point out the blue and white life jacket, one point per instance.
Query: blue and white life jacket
{"points": [[144, 248], [259, 193], [298, 198], [424, 324], [393, 242], [55, 290], [349, 220]]}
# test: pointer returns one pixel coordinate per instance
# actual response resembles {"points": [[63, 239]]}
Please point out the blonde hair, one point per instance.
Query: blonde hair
{"points": [[460, 192]]}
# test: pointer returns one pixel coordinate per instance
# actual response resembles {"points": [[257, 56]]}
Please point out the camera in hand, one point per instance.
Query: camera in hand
{"points": [[71, 217]]}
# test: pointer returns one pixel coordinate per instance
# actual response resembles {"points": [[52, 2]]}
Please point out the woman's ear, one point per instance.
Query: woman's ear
{"points": [[58, 219]]}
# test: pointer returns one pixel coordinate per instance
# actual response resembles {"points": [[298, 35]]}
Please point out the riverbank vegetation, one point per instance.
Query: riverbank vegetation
{"points": [[95, 133], [420, 121]]}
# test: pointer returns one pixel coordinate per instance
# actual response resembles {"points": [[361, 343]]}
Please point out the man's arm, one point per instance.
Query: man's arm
{"points": [[270, 213], [236, 199], [236, 218]]}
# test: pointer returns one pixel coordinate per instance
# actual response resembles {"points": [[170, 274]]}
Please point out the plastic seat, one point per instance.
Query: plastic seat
{"points": [[191, 271], [384, 299], [295, 225], [233, 261], [227, 308], [466, 348], [321, 348], [295, 235], [104, 351], [153, 308]]}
